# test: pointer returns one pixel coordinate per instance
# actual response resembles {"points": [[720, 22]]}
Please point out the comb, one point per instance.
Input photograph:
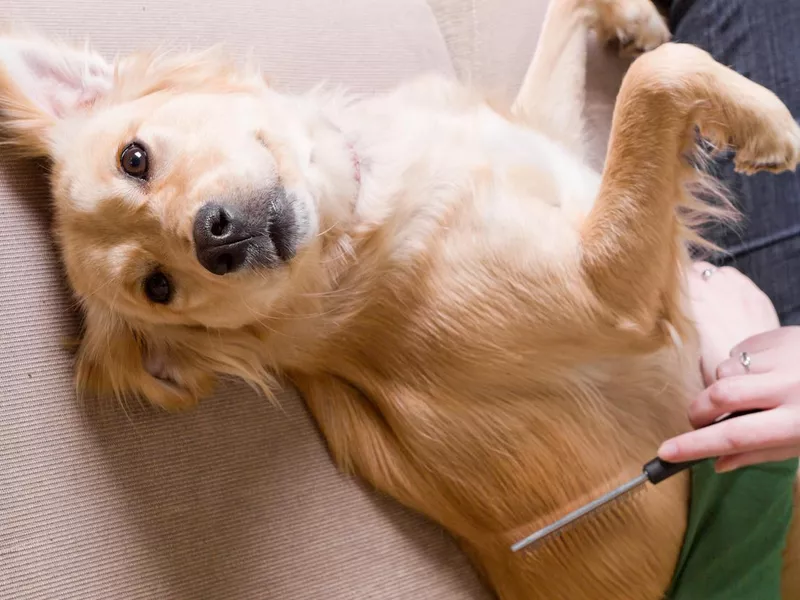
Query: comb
{"points": [[654, 472]]}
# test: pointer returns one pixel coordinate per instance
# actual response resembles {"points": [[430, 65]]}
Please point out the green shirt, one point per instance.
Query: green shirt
{"points": [[736, 534]]}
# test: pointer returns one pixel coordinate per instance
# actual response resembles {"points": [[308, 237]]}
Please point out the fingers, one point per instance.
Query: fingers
{"points": [[775, 338], [758, 432], [736, 461], [702, 271], [728, 307], [738, 393], [760, 362], [705, 270], [700, 266]]}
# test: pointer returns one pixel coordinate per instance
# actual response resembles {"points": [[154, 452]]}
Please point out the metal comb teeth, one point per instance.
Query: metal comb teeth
{"points": [[655, 471], [596, 507]]}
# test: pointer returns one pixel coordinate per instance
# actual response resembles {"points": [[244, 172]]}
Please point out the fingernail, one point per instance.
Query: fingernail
{"points": [[668, 450]]}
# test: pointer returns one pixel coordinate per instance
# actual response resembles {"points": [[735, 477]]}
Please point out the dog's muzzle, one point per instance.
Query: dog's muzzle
{"points": [[259, 230]]}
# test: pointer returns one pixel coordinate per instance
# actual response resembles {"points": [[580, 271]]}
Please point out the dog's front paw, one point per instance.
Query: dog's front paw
{"points": [[126, 370], [170, 384], [171, 379], [636, 25], [766, 138], [166, 393]]}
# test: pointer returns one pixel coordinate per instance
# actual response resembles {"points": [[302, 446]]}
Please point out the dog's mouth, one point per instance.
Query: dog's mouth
{"points": [[282, 231]]}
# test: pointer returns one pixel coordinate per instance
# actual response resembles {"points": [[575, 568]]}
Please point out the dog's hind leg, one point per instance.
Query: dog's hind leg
{"points": [[552, 94], [631, 242]]}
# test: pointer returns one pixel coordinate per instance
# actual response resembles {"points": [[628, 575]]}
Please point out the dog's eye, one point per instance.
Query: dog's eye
{"points": [[158, 288], [133, 160]]}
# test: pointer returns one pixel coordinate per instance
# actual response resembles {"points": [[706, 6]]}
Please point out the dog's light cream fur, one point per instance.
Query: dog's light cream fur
{"points": [[484, 328]]}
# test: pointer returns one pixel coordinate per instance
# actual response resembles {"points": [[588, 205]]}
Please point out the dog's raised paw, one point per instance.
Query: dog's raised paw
{"points": [[769, 137], [779, 155], [635, 25]]}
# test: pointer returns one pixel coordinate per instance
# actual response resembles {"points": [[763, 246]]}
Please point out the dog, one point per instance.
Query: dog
{"points": [[484, 328]]}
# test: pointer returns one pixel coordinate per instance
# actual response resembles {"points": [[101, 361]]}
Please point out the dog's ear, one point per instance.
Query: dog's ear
{"points": [[115, 359], [42, 82]]}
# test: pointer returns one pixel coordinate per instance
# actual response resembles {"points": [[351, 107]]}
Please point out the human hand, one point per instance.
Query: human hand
{"points": [[771, 383], [728, 308]]}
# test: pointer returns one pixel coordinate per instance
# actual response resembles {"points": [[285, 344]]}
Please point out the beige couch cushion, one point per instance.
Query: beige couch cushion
{"points": [[239, 498]]}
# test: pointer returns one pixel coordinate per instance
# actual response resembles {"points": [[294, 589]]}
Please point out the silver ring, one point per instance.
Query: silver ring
{"points": [[707, 273], [745, 360]]}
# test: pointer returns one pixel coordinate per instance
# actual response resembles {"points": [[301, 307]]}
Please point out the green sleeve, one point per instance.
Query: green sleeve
{"points": [[736, 533]]}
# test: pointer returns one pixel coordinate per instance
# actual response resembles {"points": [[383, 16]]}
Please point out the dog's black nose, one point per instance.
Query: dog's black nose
{"points": [[231, 236], [221, 239]]}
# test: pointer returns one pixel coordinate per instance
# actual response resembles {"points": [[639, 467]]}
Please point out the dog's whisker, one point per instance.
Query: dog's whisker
{"points": [[282, 316], [328, 230], [329, 294], [108, 281], [258, 318]]}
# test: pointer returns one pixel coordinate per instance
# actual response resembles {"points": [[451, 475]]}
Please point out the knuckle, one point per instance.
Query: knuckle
{"points": [[696, 416], [762, 303], [762, 298], [794, 431], [722, 393], [732, 440], [723, 370]]}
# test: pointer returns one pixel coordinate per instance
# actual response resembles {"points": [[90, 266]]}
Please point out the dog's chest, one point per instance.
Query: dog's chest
{"points": [[429, 167]]}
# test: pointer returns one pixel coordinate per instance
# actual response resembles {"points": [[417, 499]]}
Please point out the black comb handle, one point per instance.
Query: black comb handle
{"points": [[658, 470]]}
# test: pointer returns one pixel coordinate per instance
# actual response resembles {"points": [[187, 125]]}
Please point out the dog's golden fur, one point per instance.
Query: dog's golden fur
{"points": [[483, 327]]}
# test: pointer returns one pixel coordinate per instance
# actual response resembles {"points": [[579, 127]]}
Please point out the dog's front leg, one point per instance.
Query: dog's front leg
{"points": [[631, 242], [552, 94]]}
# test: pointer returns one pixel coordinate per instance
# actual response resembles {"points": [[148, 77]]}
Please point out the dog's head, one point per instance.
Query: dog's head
{"points": [[188, 193]]}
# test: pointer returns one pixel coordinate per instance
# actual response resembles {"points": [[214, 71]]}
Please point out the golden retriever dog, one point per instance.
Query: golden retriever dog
{"points": [[484, 328]]}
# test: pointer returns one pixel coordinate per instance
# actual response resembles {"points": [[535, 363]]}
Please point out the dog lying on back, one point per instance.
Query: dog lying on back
{"points": [[465, 305]]}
